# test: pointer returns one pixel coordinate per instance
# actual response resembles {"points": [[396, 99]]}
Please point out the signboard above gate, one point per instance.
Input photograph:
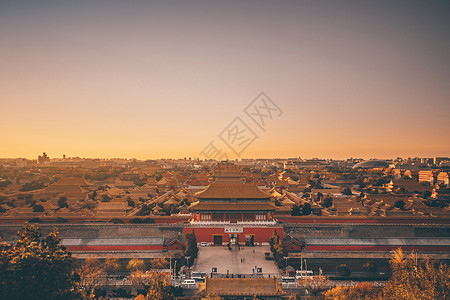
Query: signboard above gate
{"points": [[234, 229]]}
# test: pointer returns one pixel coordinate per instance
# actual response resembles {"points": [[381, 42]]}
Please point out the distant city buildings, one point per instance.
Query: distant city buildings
{"points": [[43, 159]]}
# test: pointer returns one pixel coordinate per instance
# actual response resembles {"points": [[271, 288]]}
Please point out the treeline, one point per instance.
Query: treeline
{"points": [[37, 267]]}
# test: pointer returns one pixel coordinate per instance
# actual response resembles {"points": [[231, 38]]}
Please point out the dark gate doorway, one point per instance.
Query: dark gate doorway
{"points": [[217, 240]]}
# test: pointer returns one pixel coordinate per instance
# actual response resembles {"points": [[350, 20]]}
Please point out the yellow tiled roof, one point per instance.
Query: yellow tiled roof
{"points": [[243, 287]]}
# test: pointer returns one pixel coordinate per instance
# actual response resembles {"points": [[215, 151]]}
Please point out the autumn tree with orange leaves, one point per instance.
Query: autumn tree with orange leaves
{"points": [[414, 279], [35, 267], [360, 291]]}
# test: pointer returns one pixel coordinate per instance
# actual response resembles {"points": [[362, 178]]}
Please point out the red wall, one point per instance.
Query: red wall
{"points": [[376, 248], [293, 248], [114, 248], [206, 234], [175, 246]]}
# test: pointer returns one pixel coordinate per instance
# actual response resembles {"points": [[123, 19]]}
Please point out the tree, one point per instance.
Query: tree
{"points": [[273, 240], [29, 199], [306, 210], [160, 287], [316, 285], [327, 202], [38, 208], [90, 274], [62, 202], [277, 248], [369, 267], [191, 248], [426, 194], [136, 264], [343, 270], [90, 204], [360, 291], [112, 265], [32, 186], [319, 196], [295, 211], [139, 280], [400, 204], [105, 198], [347, 191], [36, 268], [157, 286], [417, 279], [279, 253], [159, 263]]}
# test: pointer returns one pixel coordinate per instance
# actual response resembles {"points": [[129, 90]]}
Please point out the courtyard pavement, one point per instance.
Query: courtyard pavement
{"points": [[235, 261]]}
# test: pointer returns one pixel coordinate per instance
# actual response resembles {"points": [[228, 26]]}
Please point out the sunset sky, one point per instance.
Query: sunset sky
{"points": [[160, 79]]}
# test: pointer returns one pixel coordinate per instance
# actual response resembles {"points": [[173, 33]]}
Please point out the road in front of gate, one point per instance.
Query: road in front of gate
{"points": [[243, 261]]}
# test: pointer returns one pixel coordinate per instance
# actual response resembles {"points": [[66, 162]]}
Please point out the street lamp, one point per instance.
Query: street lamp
{"points": [[286, 258], [189, 267], [170, 263]]}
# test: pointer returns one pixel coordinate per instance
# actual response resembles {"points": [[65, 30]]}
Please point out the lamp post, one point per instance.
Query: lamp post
{"points": [[189, 267], [286, 258], [301, 263]]}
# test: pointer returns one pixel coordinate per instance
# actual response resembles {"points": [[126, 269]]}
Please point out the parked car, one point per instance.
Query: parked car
{"points": [[288, 282], [199, 276], [189, 283], [204, 244], [303, 274]]}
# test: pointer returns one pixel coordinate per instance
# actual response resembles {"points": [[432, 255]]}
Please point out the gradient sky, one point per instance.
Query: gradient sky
{"points": [[160, 79]]}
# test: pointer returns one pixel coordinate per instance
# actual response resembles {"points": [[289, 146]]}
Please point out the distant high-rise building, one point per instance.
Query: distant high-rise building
{"points": [[438, 160], [42, 159]]}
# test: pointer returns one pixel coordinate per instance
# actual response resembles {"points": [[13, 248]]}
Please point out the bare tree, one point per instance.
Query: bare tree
{"points": [[90, 273], [316, 285]]}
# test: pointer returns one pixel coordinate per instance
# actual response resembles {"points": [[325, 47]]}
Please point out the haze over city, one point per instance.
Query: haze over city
{"points": [[162, 79]]}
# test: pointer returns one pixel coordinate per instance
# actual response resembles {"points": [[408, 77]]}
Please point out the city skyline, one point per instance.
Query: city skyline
{"points": [[163, 79]]}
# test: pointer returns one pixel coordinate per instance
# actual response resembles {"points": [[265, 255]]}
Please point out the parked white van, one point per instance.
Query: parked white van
{"points": [[189, 283]]}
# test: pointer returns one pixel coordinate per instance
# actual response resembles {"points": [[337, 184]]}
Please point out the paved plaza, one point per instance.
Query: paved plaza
{"points": [[235, 261]]}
